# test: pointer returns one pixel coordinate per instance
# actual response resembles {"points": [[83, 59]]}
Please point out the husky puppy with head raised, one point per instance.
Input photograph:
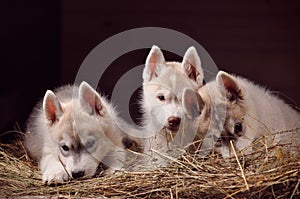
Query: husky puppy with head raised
{"points": [[163, 85], [242, 112], [71, 132]]}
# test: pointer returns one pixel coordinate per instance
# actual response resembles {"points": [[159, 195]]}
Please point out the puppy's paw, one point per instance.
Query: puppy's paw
{"points": [[55, 174], [109, 171]]}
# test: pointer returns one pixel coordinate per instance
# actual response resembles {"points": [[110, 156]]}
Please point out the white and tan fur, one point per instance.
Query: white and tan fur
{"points": [[163, 85], [243, 112], [71, 132]]}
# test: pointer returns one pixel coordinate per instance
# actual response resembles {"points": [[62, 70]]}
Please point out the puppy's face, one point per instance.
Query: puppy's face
{"points": [[81, 131], [81, 143], [234, 128], [163, 105], [163, 84], [219, 110], [223, 114]]}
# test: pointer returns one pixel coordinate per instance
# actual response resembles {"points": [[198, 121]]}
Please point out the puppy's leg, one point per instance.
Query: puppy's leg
{"points": [[53, 170], [115, 161]]}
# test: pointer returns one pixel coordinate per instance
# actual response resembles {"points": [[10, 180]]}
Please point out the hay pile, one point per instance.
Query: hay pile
{"points": [[268, 173]]}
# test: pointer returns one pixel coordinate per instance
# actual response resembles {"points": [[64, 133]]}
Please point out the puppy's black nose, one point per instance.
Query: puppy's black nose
{"points": [[174, 122], [77, 174]]}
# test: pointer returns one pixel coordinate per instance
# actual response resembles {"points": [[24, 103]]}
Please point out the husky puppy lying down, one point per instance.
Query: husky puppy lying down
{"points": [[71, 131], [232, 108]]}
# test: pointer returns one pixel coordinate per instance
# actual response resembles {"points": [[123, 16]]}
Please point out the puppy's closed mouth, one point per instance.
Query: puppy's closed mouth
{"points": [[173, 129]]}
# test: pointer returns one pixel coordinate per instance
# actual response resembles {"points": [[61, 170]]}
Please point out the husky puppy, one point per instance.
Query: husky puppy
{"points": [[237, 110], [71, 131], [165, 145], [163, 85]]}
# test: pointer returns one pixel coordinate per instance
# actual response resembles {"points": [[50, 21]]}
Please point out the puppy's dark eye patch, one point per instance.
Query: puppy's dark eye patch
{"points": [[131, 145], [238, 128]]}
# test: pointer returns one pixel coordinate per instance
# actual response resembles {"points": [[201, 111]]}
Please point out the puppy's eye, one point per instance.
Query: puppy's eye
{"points": [[238, 128], [90, 143], [161, 98], [65, 147]]}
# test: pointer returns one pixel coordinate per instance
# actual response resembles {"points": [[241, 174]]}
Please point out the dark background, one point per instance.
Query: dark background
{"points": [[43, 43]]}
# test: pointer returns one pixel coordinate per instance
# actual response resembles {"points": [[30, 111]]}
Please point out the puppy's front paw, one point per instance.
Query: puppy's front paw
{"points": [[55, 174], [109, 171]]}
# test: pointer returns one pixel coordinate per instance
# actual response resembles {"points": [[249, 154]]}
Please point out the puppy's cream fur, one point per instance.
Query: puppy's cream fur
{"points": [[71, 132]]}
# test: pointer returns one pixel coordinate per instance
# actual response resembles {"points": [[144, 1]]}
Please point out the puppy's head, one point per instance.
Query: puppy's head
{"points": [[163, 84], [81, 130], [218, 109], [233, 94]]}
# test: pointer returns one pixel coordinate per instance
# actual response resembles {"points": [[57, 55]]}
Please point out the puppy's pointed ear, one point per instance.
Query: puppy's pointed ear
{"points": [[230, 85], [154, 62], [90, 100], [192, 103], [192, 65], [52, 107]]}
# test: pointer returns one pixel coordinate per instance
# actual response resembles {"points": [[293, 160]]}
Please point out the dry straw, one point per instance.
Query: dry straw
{"points": [[270, 172]]}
